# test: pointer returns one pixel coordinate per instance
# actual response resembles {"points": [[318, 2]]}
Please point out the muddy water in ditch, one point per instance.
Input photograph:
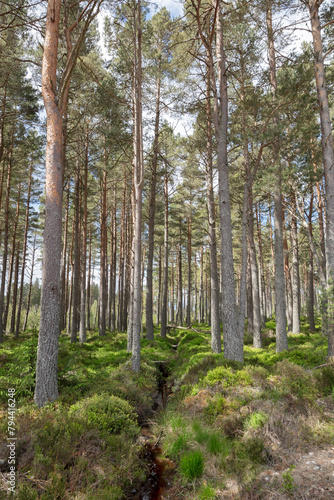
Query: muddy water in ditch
{"points": [[155, 483], [159, 469]]}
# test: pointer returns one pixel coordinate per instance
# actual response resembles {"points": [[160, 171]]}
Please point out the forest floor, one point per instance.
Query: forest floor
{"points": [[191, 425]]}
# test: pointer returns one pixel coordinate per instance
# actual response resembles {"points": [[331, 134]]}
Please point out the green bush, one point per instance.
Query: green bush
{"points": [[294, 379], [227, 377], [108, 413], [55, 440], [216, 405], [325, 379], [192, 465]]}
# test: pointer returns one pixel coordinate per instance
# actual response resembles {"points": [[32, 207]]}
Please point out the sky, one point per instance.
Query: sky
{"points": [[175, 7]]}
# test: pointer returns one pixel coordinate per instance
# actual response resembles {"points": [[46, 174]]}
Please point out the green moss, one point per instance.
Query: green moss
{"points": [[106, 412]]}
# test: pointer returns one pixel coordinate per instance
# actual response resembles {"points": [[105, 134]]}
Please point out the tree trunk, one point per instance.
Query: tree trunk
{"points": [[138, 188], [12, 257], [121, 271], [288, 284], [280, 308], [244, 263], [5, 245], [159, 286], [233, 344], [201, 289], [214, 281], [103, 256], [188, 318], [310, 271], [327, 149], [151, 217], [128, 266], [70, 269], [76, 269], [15, 286], [295, 269], [262, 280], [24, 255], [207, 313], [310, 286], [89, 302], [163, 330], [47, 353], [172, 291], [250, 308], [55, 100], [179, 313], [83, 306], [30, 284], [113, 260], [257, 339]]}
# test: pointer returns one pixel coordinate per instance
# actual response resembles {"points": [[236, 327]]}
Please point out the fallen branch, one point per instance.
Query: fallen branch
{"points": [[188, 328], [180, 327], [320, 366]]}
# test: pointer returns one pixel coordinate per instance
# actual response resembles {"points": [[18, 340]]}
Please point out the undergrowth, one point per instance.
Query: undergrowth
{"points": [[225, 422], [85, 443], [237, 417]]}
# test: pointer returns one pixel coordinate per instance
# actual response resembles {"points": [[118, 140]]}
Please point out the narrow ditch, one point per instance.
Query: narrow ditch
{"points": [[159, 469]]}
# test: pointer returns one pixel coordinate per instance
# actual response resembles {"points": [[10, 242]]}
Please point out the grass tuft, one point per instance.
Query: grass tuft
{"points": [[192, 465]]}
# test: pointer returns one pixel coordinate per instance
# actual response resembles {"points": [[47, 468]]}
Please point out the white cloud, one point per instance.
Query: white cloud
{"points": [[175, 7]]}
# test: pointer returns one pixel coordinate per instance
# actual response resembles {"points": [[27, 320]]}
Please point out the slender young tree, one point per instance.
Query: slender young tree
{"points": [[164, 309], [30, 284], [76, 270], [214, 280], [280, 309], [295, 269], [24, 254], [83, 299]]}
